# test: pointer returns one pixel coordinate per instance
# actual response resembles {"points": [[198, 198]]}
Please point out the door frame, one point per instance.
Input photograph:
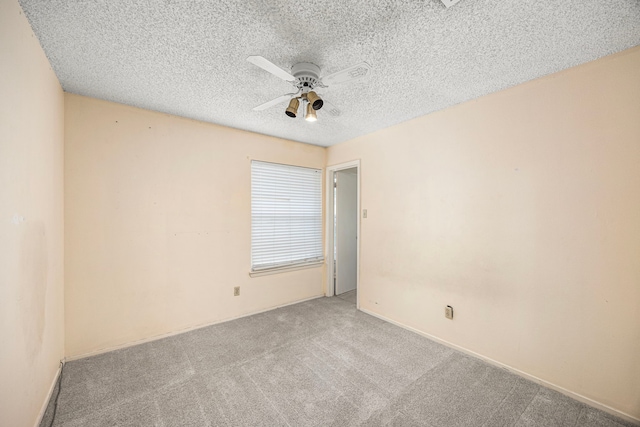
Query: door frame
{"points": [[329, 288]]}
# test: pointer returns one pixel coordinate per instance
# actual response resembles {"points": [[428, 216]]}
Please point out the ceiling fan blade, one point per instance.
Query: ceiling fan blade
{"points": [[330, 109], [273, 102], [269, 66], [348, 74]]}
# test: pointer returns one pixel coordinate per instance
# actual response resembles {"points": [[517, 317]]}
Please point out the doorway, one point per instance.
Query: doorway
{"points": [[343, 229]]}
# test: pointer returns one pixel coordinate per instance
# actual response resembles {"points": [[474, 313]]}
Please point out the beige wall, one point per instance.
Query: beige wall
{"points": [[158, 225], [521, 210], [31, 221]]}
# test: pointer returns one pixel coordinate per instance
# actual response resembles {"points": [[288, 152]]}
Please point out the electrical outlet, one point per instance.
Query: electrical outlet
{"points": [[448, 312], [364, 213], [236, 291]]}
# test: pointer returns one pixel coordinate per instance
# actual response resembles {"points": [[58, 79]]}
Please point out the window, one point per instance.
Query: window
{"points": [[286, 216]]}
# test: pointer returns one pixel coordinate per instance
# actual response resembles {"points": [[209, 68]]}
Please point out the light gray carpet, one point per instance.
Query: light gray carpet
{"points": [[317, 363], [349, 296]]}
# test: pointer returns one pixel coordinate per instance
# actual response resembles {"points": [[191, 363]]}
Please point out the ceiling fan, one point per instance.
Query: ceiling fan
{"points": [[305, 78]]}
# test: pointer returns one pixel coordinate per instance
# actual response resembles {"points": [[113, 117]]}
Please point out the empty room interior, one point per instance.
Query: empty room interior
{"points": [[340, 213]]}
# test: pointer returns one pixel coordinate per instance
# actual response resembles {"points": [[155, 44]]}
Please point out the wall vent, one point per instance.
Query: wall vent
{"points": [[449, 3]]}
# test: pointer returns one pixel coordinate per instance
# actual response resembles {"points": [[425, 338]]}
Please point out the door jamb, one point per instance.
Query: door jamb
{"points": [[329, 289]]}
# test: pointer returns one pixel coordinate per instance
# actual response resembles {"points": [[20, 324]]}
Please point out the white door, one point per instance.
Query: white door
{"points": [[346, 223]]}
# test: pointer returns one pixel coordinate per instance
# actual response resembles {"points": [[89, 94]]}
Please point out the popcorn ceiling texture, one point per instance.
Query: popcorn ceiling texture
{"points": [[188, 57]]}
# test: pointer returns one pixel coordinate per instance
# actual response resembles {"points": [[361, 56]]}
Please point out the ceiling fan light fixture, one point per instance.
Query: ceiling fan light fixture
{"points": [[310, 116], [305, 77], [314, 100], [292, 109]]}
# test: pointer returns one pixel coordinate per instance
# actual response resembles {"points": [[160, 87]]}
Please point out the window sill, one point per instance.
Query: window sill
{"points": [[277, 270]]}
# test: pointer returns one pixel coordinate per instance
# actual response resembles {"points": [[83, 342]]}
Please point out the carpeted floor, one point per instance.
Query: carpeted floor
{"points": [[349, 296], [316, 363]]}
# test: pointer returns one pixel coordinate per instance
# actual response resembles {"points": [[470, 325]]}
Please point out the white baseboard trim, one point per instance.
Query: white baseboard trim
{"points": [[181, 331], [45, 404], [516, 371]]}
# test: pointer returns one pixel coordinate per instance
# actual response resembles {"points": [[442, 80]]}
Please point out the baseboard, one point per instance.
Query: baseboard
{"points": [[45, 404], [516, 371], [180, 331]]}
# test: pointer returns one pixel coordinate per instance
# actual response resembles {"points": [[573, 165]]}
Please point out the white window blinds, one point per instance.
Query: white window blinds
{"points": [[286, 216]]}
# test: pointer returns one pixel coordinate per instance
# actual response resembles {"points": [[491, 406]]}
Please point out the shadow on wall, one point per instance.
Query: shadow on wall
{"points": [[33, 287]]}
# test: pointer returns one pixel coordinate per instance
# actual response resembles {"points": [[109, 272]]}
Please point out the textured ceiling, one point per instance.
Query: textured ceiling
{"points": [[188, 57]]}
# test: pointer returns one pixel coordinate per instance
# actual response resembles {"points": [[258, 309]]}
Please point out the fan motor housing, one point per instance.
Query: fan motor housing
{"points": [[306, 72]]}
